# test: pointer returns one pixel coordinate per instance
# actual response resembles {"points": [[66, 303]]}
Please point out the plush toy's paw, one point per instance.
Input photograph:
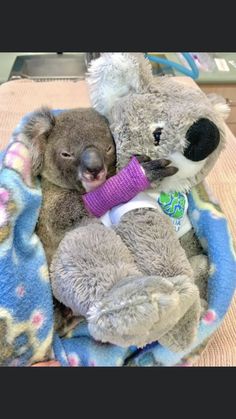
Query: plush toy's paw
{"points": [[184, 332], [137, 311], [185, 318], [124, 316], [201, 267]]}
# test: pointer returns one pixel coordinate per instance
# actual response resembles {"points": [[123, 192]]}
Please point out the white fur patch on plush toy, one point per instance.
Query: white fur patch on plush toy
{"points": [[187, 170], [120, 76], [220, 105]]}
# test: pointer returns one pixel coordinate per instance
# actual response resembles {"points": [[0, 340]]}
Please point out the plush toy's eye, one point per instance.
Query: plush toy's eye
{"points": [[157, 136], [66, 155]]}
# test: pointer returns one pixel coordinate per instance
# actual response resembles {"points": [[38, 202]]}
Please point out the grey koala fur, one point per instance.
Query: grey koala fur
{"points": [[150, 294], [49, 136]]}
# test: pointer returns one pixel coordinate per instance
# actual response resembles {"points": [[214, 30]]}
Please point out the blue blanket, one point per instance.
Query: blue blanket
{"points": [[26, 306]]}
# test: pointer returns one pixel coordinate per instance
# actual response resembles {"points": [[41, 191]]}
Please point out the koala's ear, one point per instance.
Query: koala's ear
{"points": [[220, 105], [36, 131], [114, 75]]}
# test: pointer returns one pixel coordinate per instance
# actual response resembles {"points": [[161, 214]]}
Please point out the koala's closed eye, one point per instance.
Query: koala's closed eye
{"points": [[110, 149]]}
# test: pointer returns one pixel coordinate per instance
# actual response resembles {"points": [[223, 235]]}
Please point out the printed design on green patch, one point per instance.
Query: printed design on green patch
{"points": [[173, 204]]}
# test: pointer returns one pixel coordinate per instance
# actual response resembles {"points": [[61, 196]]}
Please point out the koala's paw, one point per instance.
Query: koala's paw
{"points": [[142, 158], [158, 169]]}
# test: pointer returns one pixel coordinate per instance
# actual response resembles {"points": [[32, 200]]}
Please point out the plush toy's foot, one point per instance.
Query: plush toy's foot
{"points": [[187, 316], [138, 311], [184, 332], [182, 335], [201, 267]]}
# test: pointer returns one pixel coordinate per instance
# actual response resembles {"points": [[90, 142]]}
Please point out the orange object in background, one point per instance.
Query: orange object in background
{"points": [[47, 364]]}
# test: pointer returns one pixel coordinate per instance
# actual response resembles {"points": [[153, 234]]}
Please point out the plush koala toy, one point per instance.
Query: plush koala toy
{"points": [[133, 281]]}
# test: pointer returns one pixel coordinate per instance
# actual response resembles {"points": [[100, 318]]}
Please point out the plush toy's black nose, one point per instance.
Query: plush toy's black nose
{"points": [[203, 138]]}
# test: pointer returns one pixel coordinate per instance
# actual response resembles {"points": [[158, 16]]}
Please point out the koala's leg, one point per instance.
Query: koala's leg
{"points": [[89, 261]]}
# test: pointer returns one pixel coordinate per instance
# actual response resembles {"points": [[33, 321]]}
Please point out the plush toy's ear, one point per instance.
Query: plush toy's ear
{"points": [[220, 105], [36, 131], [114, 75]]}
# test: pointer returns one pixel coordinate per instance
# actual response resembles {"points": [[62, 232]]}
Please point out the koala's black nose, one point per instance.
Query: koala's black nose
{"points": [[203, 138], [92, 161]]}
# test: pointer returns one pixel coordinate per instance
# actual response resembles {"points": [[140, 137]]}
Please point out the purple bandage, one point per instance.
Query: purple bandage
{"points": [[118, 189]]}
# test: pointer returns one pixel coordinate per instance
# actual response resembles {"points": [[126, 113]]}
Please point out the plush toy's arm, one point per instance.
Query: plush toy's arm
{"points": [[124, 186]]}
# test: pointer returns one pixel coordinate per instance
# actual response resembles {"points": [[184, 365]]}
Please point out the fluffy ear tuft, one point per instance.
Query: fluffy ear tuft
{"points": [[41, 122], [36, 131], [220, 105], [114, 75]]}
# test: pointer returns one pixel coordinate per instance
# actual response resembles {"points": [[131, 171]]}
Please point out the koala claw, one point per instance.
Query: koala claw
{"points": [[142, 158], [158, 169]]}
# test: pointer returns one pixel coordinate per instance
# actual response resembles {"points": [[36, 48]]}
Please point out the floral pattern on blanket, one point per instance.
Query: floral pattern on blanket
{"points": [[26, 305]]}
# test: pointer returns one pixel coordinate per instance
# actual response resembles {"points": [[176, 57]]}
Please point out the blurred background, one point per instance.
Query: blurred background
{"points": [[213, 72]]}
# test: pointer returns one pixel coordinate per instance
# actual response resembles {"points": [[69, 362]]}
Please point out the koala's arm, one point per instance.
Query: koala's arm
{"points": [[66, 212], [126, 184], [60, 212], [118, 189]]}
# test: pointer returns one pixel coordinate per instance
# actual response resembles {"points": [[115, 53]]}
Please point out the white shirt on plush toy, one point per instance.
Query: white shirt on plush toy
{"points": [[173, 204]]}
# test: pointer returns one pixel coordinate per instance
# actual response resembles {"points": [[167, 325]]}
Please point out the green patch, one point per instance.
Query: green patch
{"points": [[173, 204]]}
